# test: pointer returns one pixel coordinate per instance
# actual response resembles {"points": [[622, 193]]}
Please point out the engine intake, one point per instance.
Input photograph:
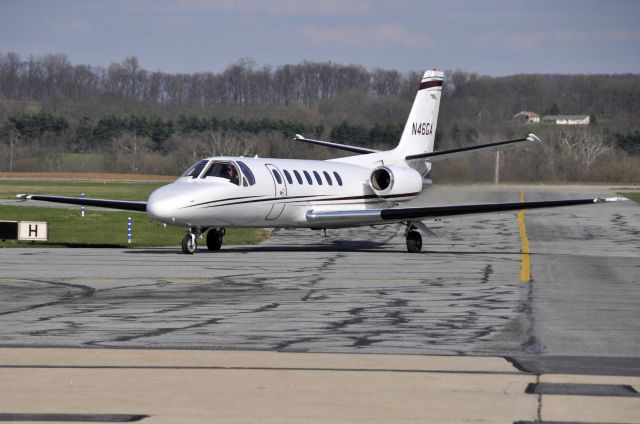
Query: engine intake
{"points": [[392, 182]]}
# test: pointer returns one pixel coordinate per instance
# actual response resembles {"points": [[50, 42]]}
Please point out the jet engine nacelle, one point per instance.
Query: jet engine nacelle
{"points": [[392, 182]]}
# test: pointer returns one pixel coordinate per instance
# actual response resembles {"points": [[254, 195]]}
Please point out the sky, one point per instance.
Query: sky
{"points": [[492, 37]]}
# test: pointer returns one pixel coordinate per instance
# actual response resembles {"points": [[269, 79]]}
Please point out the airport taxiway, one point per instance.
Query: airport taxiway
{"points": [[355, 291]]}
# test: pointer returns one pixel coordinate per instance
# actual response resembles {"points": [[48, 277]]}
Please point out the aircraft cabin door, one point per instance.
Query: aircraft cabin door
{"points": [[280, 192]]}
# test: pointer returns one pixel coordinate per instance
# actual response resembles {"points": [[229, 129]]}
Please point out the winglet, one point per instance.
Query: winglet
{"points": [[609, 199], [533, 137], [22, 196]]}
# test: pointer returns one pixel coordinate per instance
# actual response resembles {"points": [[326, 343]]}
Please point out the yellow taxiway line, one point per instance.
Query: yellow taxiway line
{"points": [[525, 263]]}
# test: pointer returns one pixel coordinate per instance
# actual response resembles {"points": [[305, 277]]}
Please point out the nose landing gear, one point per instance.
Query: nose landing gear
{"points": [[214, 239], [189, 243]]}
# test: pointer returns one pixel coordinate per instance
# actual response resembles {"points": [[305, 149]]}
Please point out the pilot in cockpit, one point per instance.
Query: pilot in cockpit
{"points": [[232, 175]]}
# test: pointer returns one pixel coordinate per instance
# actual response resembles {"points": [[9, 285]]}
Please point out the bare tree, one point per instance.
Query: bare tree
{"points": [[130, 148], [212, 143], [594, 146], [583, 147], [189, 148]]}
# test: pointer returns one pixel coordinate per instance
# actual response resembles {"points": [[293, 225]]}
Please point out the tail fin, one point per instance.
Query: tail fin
{"points": [[419, 132]]}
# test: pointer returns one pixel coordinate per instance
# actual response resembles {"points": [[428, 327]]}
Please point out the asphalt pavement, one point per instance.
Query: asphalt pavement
{"points": [[357, 291]]}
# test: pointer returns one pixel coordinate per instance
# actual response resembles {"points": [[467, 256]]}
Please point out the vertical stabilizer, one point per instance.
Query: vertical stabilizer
{"points": [[419, 132]]}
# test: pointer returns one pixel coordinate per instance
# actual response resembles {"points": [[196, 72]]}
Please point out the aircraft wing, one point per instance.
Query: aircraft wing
{"points": [[443, 155], [380, 216], [348, 148], [103, 203]]}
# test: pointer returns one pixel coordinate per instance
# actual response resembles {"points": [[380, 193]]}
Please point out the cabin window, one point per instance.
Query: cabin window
{"points": [[308, 177], [318, 179], [288, 176], [248, 175], [195, 169], [326, 175], [298, 177], [338, 179], [276, 174]]}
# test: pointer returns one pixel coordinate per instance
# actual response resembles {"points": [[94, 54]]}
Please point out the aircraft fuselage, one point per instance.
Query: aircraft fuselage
{"points": [[267, 193]]}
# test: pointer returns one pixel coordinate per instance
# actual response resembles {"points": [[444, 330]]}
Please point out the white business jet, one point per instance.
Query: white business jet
{"points": [[359, 190]]}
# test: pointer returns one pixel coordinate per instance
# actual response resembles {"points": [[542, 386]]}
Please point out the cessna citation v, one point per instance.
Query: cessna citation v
{"points": [[360, 190]]}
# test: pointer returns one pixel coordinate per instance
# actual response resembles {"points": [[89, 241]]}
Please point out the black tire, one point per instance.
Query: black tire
{"points": [[189, 244], [414, 242], [214, 239]]}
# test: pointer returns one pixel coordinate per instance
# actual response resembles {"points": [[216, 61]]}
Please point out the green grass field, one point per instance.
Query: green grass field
{"points": [[67, 228], [107, 189], [635, 196]]}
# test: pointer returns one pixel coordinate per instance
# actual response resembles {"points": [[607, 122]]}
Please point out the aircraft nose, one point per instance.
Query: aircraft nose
{"points": [[161, 204]]}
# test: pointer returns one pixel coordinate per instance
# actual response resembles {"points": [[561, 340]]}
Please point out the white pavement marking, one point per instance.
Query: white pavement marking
{"points": [[275, 387]]}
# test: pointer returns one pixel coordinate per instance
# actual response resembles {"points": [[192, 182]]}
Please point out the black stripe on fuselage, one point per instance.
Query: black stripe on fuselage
{"points": [[316, 198], [266, 199], [218, 201]]}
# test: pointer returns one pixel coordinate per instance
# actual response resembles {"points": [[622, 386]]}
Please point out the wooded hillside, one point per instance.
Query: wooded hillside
{"points": [[57, 116]]}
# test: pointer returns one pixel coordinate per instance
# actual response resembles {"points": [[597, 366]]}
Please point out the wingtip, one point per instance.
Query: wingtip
{"points": [[610, 199], [22, 196], [533, 137], [298, 137]]}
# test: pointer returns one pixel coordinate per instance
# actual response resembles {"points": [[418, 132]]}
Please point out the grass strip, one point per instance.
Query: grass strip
{"points": [[104, 189], [635, 196], [67, 228]]}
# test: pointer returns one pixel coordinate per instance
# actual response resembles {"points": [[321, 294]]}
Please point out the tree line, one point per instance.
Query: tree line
{"points": [[88, 134], [142, 121], [53, 76]]}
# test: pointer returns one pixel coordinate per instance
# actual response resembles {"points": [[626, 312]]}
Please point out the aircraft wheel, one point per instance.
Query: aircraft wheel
{"points": [[189, 244], [214, 239], [414, 242]]}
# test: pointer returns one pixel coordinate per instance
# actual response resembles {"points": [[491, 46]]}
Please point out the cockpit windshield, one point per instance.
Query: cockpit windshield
{"points": [[222, 169], [248, 175], [195, 169], [226, 170]]}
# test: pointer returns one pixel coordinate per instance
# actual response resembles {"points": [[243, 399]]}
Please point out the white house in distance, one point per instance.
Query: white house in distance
{"points": [[527, 117], [567, 119]]}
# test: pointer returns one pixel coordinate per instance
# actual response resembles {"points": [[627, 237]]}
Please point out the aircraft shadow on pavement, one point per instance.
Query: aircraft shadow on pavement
{"points": [[337, 246]]}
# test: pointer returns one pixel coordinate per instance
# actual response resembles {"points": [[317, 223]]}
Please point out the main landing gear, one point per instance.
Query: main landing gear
{"points": [[414, 239], [214, 239]]}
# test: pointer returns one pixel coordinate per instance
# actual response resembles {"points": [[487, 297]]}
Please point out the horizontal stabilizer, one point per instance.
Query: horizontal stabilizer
{"points": [[354, 149], [102, 203], [379, 216], [443, 155]]}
